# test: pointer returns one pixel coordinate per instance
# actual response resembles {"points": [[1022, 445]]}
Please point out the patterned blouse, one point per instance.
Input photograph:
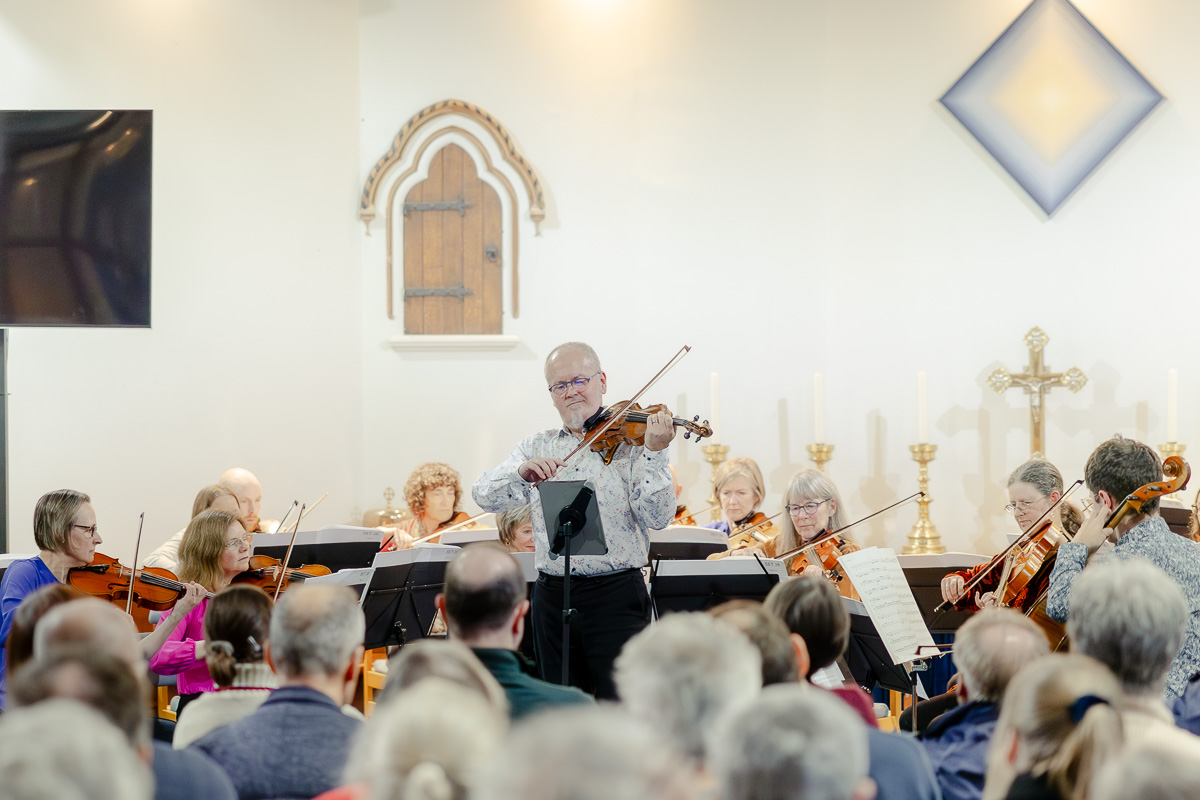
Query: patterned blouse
{"points": [[635, 495]]}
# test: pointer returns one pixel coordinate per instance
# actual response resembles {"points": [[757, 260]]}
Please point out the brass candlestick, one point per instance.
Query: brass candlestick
{"points": [[924, 538], [715, 454], [819, 454]]}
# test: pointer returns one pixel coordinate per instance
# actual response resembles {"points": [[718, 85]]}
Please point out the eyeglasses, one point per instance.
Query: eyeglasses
{"points": [[90, 529], [1019, 506], [560, 389], [808, 508], [238, 544]]}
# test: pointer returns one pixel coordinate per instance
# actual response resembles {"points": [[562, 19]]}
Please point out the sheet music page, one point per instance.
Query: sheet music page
{"points": [[830, 677], [879, 579]]}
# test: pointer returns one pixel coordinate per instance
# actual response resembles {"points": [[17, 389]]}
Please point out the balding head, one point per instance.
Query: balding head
{"points": [[316, 632], [484, 597], [248, 491], [991, 647], [93, 625]]}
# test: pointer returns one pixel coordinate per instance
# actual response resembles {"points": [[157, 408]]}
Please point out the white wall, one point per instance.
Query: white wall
{"points": [[775, 184], [252, 358]]}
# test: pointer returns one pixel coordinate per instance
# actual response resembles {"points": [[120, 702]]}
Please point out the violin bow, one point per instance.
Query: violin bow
{"points": [[824, 537], [617, 417], [449, 528], [1019, 541], [283, 519], [288, 557], [137, 545]]}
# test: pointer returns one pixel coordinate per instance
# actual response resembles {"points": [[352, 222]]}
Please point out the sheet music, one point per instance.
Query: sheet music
{"points": [[879, 579], [830, 677]]}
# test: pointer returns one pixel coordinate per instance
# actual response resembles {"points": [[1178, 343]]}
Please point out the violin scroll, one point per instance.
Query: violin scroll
{"points": [[1177, 471]]}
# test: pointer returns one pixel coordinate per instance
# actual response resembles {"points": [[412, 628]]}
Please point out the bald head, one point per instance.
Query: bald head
{"points": [[248, 491], [484, 587], [570, 351], [93, 625]]}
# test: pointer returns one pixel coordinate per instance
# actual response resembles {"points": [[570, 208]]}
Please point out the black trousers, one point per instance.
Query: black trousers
{"points": [[612, 608]]}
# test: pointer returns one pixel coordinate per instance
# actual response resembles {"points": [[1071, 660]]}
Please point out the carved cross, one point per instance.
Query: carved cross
{"points": [[1036, 381]]}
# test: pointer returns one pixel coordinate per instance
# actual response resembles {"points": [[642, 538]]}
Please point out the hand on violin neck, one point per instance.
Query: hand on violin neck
{"points": [[540, 469], [660, 430]]}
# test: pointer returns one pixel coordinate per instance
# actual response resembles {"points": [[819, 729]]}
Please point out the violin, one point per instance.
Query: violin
{"points": [[751, 532], [682, 517], [825, 554], [153, 589], [268, 573], [630, 427]]}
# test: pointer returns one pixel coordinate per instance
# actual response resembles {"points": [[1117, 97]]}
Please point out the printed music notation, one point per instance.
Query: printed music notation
{"points": [[880, 582]]}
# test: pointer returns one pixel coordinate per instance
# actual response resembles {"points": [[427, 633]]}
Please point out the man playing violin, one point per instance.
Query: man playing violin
{"points": [[1116, 469], [635, 495]]}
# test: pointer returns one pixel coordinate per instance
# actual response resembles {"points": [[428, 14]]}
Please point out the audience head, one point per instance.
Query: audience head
{"points": [[738, 487], [991, 647], [768, 634], [1148, 773], [583, 753], [484, 599], [576, 381], [248, 491], [18, 647], [62, 749], [815, 506], [217, 497], [237, 625], [433, 490], [96, 679], [92, 624], [64, 523], [1058, 719], [812, 609], [1131, 617], [446, 660], [215, 548], [426, 743], [685, 671], [794, 742], [516, 529], [316, 634], [1121, 466]]}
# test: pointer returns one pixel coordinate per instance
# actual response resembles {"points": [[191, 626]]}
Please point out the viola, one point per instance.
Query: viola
{"points": [[630, 427], [268, 573], [153, 589]]}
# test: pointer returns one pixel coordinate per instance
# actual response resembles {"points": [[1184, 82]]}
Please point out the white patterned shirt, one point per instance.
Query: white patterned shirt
{"points": [[635, 495]]}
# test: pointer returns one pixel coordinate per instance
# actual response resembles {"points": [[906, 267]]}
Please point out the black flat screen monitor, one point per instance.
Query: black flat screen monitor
{"points": [[75, 218]]}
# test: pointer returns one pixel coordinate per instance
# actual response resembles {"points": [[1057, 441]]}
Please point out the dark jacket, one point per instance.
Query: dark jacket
{"points": [[957, 744], [188, 775], [294, 746], [526, 694], [900, 768], [1186, 708]]}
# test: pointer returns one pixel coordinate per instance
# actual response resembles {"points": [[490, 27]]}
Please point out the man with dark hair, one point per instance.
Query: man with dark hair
{"points": [[1116, 469], [818, 622], [484, 607]]}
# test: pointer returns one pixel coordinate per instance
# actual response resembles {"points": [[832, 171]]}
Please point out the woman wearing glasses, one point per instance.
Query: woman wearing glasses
{"points": [[1033, 488], [215, 549], [813, 506]]}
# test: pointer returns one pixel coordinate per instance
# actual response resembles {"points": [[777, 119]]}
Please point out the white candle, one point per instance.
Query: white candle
{"points": [[714, 407], [1172, 405], [922, 409], [818, 408]]}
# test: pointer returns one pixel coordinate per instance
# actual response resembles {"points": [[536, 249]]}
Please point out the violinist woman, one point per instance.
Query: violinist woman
{"points": [[433, 494], [1033, 488], [215, 549], [814, 506], [65, 531], [738, 487]]}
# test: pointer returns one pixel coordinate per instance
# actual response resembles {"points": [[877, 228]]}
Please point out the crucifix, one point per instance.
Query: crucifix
{"points": [[1036, 381]]}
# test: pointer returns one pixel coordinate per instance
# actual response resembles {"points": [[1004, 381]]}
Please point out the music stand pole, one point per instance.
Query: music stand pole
{"points": [[566, 530]]}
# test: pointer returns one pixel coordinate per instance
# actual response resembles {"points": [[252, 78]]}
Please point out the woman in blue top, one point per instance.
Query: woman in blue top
{"points": [[64, 529]]}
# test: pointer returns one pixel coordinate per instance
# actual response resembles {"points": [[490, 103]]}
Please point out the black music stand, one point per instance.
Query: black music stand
{"points": [[868, 658], [700, 592], [678, 542], [353, 553], [399, 603], [577, 528]]}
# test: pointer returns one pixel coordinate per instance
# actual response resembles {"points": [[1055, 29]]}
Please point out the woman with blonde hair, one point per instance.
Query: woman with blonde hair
{"points": [[1058, 724], [214, 550], [738, 488], [214, 496], [813, 506]]}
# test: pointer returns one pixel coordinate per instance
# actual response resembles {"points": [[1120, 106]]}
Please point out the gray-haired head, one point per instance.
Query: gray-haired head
{"points": [[1131, 617], [583, 753], [315, 631], [991, 647], [63, 749], [1149, 773], [1043, 475], [794, 742], [90, 624], [589, 354], [685, 671], [426, 743]]}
